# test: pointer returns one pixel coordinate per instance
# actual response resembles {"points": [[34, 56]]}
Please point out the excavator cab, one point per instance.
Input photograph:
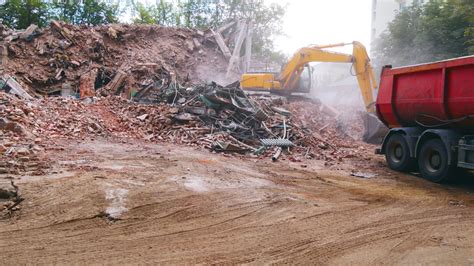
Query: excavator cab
{"points": [[305, 82]]}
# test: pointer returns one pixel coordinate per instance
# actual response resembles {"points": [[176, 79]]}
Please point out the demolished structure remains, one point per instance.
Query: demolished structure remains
{"points": [[143, 83]]}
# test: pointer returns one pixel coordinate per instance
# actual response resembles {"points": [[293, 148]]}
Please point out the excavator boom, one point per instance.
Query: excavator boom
{"points": [[291, 72], [288, 81]]}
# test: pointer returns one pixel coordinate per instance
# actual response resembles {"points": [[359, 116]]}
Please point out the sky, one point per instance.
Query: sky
{"points": [[324, 22]]}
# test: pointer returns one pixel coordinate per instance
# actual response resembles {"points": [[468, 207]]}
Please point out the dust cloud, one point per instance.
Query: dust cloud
{"points": [[335, 86], [214, 69]]}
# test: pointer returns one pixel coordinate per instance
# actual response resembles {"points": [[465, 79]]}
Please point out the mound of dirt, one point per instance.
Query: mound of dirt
{"points": [[46, 61]]}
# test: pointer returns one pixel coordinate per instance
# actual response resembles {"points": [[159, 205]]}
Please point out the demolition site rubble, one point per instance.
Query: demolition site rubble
{"points": [[221, 119], [135, 83], [110, 59], [142, 82]]}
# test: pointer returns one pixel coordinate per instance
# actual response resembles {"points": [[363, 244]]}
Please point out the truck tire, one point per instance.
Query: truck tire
{"points": [[433, 161], [397, 154]]}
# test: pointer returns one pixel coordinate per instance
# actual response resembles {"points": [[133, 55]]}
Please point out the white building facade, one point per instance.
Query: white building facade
{"points": [[384, 11]]}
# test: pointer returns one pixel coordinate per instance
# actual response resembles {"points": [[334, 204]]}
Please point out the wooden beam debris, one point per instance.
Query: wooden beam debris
{"points": [[62, 30], [234, 59], [116, 83], [28, 33], [221, 43], [233, 35], [16, 88], [248, 47], [226, 26]]}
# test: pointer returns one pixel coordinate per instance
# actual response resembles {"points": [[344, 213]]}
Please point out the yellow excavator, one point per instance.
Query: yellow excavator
{"points": [[295, 77]]}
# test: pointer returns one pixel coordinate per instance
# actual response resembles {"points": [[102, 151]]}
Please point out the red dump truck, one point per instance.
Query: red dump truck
{"points": [[429, 109]]}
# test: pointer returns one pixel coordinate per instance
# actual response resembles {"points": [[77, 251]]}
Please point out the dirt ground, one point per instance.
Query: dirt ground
{"points": [[114, 202]]}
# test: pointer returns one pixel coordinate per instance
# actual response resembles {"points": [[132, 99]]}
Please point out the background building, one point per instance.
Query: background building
{"points": [[333, 83], [384, 11]]}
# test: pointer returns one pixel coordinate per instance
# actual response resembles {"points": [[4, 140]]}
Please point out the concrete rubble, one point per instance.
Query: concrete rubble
{"points": [[119, 59], [210, 116], [78, 82], [20, 149]]}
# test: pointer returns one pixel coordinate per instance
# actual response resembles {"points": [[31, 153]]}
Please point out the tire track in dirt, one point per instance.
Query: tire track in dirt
{"points": [[320, 251], [265, 213]]}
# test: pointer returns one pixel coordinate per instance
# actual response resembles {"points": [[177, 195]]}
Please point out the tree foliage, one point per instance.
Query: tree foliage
{"points": [[144, 15], [266, 18], [19, 14], [438, 30], [266, 21], [89, 12], [163, 13]]}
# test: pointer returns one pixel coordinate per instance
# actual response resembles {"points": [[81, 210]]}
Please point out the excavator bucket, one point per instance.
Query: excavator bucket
{"points": [[374, 129]]}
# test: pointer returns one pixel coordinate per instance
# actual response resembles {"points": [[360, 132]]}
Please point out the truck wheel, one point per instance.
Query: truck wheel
{"points": [[397, 154], [433, 161]]}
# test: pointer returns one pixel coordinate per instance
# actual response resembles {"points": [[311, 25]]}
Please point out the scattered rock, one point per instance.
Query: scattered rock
{"points": [[28, 33], [22, 151], [7, 191], [15, 127], [142, 117], [363, 175]]}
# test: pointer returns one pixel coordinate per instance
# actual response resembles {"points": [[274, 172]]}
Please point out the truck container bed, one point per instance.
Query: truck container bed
{"points": [[433, 95]]}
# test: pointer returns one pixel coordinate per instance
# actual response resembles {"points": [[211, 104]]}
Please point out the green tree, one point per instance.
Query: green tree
{"points": [[94, 12], [65, 10], [19, 14], [397, 45], [165, 13], [266, 22], [144, 14], [195, 13], [162, 13], [266, 19], [438, 30]]}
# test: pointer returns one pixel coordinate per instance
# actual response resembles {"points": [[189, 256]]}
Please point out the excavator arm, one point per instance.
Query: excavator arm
{"points": [[365, 75], [288, 79], [291, 72]]}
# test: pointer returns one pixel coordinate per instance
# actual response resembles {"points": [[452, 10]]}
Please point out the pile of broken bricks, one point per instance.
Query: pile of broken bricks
{"points": [[221, 119]]}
